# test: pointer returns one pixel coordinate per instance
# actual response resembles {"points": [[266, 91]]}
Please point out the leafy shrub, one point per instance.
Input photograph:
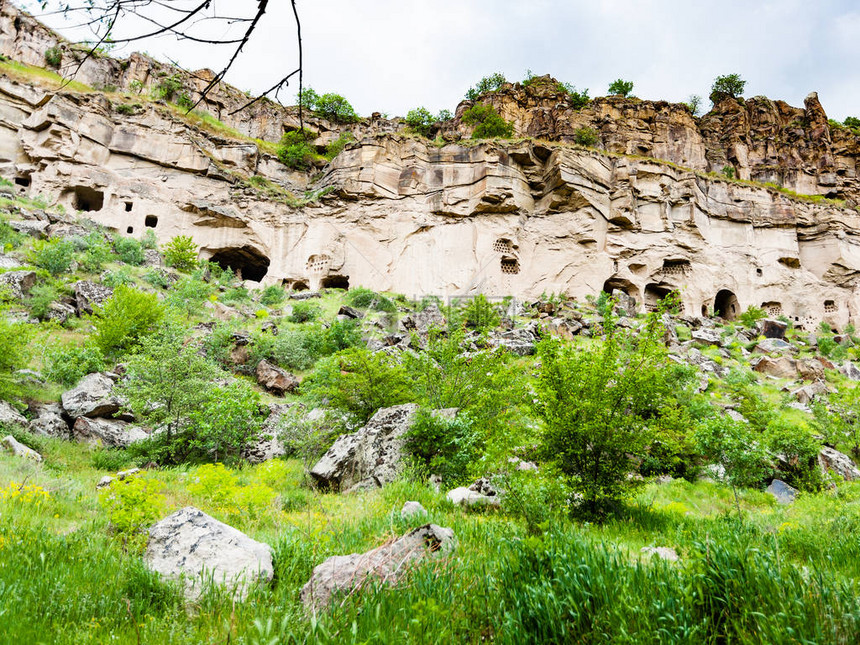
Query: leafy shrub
{"points": [[42, 296], [578, 98], [480, 314], [132, 505], [55, 256], [125, 319], [9, 237], [728, 86], [586, 136], [185, 101], [295, 151], [14, 350], [126, 108], [694, 103], [421, 121], [166, 88], [272, 295], [149, 240], [333, 149], [489, 83], [729, 171], [222, 493], [445, 447], [621, 87], [799, 451], [228, 421], [68, 364], [129, 250], [308, 438], [110, 459], [157, 278], [335, 108], [118, 277], [751, 316], [53, 57], [308, 98], [358, 383], [237, 294], [97, 252], [365, 298], [488, 123], [305, 312], [181, 253]]}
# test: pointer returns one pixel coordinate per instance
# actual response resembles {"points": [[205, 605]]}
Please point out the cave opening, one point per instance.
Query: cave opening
{"points": [[151, 221], [246, 262], [22, 181], [654, 293], [335, 282], [726, 305], [88, 199]]}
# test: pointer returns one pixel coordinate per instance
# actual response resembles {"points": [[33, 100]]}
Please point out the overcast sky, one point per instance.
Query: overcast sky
{"points": [[393, 55]]}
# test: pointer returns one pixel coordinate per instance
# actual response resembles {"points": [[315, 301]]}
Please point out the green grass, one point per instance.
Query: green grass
{"points": [[41, 77]]}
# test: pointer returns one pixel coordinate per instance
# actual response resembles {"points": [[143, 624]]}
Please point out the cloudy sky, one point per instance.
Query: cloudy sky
{"points": [[393, 55]]}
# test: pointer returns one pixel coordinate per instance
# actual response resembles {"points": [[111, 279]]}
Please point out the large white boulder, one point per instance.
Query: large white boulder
{"points": [[92, 397], [193, 547]]}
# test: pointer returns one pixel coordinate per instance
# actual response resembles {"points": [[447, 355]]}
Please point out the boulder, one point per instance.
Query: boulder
{"points": [[33, 228], [810, 370], [467, 497], [9, 415], [109, 433], [625, 304], [373, 455], [663, 552], [808, 393], [386, 564], [192, 547], [707, 337], [412, 508], [10, 262], [771, 328], [831, 460], [18, 283], [772, 345], [349, 312], [781, 367], [278, 381], [783, 493], [88, 294], [92, 397], [18, 449], [850, 370], [47, 420], [422, 321], [269, 445], [60, 312]]}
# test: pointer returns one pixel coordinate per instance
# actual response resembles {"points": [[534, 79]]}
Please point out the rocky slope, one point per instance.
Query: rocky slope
{"points": [[400, 213]]}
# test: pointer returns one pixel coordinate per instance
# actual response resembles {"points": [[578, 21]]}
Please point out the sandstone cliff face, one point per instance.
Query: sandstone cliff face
{"points": [[763, 140]]}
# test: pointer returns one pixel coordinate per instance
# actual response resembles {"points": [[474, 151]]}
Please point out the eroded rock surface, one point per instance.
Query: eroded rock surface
{"points": [[92, 397]]}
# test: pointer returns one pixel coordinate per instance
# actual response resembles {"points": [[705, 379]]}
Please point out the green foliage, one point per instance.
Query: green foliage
{"points": [[129, 250], [308, 98], [585, 136], [96, 252], [729, 171], [55, 256], [799, 451], [295, 151], [53, 57], [272, 295], [621, 87], [421, 121], [488, 123], [445, 447], [149, 241], [333, 149], [10, 238], [68, 364], [181, 253], [489, 83], [188, 294], [14, 351], [42, 296], [304, 311], [601, 407], [364, 298], [694, 103], [126, 108], [157, 278], [480, 314], [223, 494], [578, 98], [125, 318], [167, 88], [185, 101], [229, 420], [728, 86], [358, 383], [118, 277], [132, 505], [751, 316], [838, 420], [335, 108]]}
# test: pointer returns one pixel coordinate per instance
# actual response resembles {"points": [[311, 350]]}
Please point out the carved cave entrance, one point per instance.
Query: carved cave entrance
{"points": [[246, 262], [726, 305], [654, 293], [88, 199], [335, 282]]}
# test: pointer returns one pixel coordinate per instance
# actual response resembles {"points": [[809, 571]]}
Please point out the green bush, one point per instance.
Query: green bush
{"points": [[129, 250], [728, 86], [55, 256], [149, 241], [585, 136], [295, 151], [167, 88], [751, 316], [157, 278], [489, 83], [227, 422], [9, 237], [14, 351], [488, 123], [480, 314], [181, 253], [421, 121], [308, 98], [96, 252], [127, 317], [365, 298], [132, 505], [118, 277], [799, 451], [578, 98], [110, 459], [445, 447], [188, 294], [305, 312], [53, 57], [68, 364], [358, 383], [621, 87], [272, 295], [42, 296], [333, 149], [694, 103], [335, 108]]}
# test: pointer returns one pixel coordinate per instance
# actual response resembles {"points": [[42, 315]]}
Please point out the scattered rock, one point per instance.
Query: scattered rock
{"points": [[772, 345], [467, 497], [18, 449], [191, 546], [60, 312], [781, 367], [33, 228], [831, 460], [269, 445], [268, 327], [850, 370], [350, 312], [109, 433], [10, 262], [89, 294], [783, 493], [771, 328], [18, 283], [107, 480], [808, 393], [663, 552], [386, 564], [707, 337], [47, 420], [412, 508], [276, 380], [92, 397], [10, 415], [373, 455], [423, 321]]}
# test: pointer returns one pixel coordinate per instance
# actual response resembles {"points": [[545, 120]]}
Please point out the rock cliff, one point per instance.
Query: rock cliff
{"points": [[523, 217]]}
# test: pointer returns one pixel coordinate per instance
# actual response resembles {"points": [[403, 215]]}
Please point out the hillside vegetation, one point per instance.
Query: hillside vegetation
{"points": [[625, 456]]}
